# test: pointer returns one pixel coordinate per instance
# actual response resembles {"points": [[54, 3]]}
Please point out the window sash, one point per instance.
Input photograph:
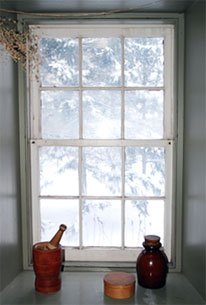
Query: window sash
{"points": [[167, 142], [90, 253], [167, 31]]}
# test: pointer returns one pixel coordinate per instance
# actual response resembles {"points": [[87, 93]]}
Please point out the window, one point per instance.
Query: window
{"points": [[102, 129]]}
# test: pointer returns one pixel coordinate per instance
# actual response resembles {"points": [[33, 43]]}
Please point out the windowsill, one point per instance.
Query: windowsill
{"points": [[86, 288]]}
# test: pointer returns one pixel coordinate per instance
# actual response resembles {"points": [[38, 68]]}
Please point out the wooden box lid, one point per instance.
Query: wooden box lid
{"points": [[119, 285]]}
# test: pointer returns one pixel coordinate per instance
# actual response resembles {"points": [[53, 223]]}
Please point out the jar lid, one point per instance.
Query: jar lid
{"points": [[152, 240]]}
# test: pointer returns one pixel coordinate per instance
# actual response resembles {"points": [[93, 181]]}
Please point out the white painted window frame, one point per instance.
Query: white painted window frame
{"points": [[110, 30]]}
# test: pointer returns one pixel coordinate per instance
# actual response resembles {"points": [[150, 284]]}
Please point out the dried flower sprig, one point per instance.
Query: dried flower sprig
{"points": [[20, 45], [14, 41]]}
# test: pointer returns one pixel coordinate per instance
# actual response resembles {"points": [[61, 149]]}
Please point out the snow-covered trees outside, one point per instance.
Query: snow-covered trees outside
{"points": [[102, 89]]}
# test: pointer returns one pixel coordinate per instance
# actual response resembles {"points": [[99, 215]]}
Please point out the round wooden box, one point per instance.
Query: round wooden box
{"points": [[119, 285]]}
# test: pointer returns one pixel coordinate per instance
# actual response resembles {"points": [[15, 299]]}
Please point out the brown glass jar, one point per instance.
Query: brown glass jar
{"points": [[152, 264]]}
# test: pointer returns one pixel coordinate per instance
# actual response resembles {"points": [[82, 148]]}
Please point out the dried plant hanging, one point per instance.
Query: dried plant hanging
{"points": [[20, 45], [13, 41]]}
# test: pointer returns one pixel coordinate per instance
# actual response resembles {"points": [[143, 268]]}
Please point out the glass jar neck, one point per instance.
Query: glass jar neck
{"points": [[148, 246]]}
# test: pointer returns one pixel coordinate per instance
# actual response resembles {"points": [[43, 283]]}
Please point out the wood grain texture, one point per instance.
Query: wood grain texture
{"points": [[47, 268], [119, 285]]}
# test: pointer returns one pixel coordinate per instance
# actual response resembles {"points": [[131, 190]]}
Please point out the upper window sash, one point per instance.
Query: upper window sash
{"points": [[109, 30]]}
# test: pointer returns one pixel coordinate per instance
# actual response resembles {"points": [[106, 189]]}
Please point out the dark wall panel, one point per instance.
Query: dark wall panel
{"points": [[10, 214], [194, 233]]}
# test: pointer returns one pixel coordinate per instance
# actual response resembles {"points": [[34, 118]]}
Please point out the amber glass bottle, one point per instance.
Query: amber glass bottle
{"points": [[152, 264]]}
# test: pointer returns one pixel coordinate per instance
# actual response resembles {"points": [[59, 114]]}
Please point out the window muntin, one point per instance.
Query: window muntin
{"points": [[104, 119]]}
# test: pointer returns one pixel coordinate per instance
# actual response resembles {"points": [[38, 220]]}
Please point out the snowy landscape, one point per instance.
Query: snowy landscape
{"points": [[100, 192]]}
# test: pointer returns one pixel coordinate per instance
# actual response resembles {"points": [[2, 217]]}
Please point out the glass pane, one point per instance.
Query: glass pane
{"points": [[55, 212], [58, 170], [101, 61], [59, 62], [144, 114], [143, 217], [145, 171], [60, 114], [144, 61], [102, 114], [101, 223], [101, 173]]}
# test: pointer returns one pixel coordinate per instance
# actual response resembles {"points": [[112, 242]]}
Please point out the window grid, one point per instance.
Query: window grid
{"points": [[84, 142]]}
